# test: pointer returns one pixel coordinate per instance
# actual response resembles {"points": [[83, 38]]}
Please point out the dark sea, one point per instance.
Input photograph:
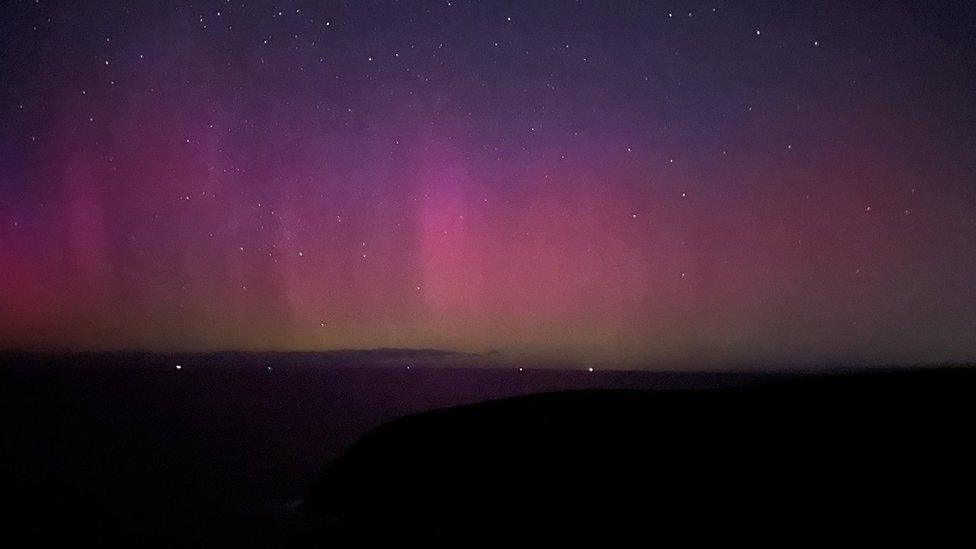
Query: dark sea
{"points": [[134, 439]]}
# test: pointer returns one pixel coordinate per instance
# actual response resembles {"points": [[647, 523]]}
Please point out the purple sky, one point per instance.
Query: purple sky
{"points": [[653, 183]]}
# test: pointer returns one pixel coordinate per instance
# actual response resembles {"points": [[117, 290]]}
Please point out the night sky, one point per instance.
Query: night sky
{"points": [[648, 183]]}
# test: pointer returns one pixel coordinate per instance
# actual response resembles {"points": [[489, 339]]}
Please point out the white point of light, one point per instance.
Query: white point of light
{"points": [[178, 367], [590, 369]]}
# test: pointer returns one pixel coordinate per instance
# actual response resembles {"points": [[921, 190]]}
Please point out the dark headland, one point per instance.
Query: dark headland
{"points": [[860, 457]]}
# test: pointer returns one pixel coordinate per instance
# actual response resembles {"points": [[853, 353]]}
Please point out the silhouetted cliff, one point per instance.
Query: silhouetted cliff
{"points": [[867, 456]]}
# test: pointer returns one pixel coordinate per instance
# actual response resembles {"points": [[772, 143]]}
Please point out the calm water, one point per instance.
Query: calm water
{"points": [[136, 439]]}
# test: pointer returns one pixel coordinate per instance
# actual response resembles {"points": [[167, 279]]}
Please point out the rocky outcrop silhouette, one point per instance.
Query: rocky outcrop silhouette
{"points": [[864, 457]]}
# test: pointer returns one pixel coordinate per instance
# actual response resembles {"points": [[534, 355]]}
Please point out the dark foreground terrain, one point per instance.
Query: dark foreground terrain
{"points": [[855, 458], [227, 451]]}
